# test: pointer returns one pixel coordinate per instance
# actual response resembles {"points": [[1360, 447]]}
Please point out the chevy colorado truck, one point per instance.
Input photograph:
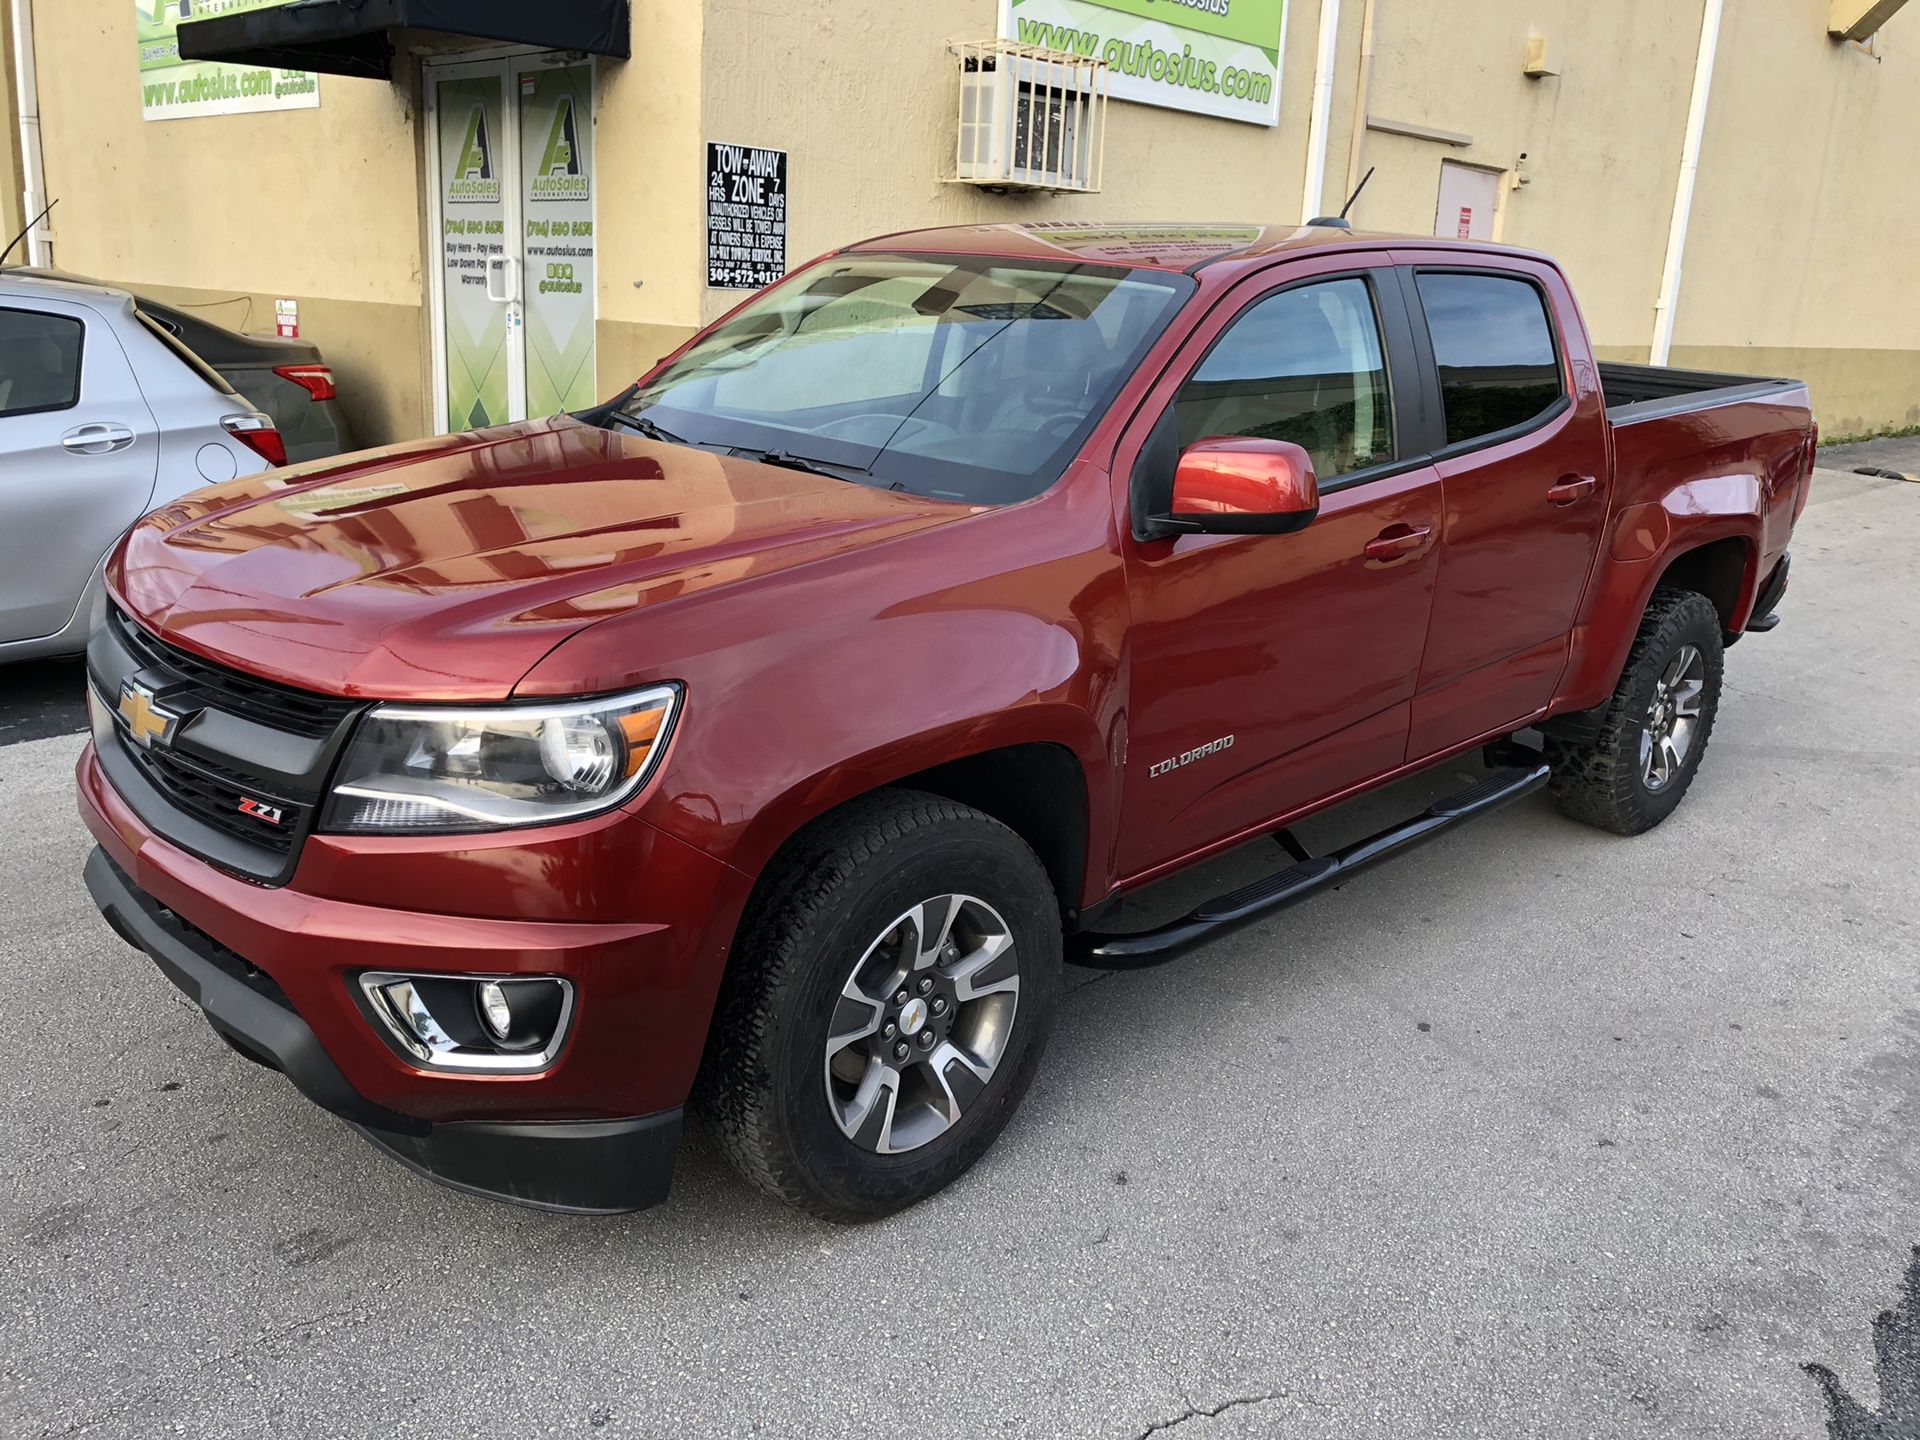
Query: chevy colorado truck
{"points": [[764, 741]]}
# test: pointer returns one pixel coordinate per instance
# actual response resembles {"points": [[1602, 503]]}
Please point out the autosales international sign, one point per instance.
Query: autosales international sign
{"points": [[176, 89], [1214, 57]]}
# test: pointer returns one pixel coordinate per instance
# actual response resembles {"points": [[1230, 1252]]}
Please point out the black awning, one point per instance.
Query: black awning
{"points": [[355, 37]]}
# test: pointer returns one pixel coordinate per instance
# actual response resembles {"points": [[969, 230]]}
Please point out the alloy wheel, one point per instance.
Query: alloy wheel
{"points": [[921, 1024], [1672, 719]]}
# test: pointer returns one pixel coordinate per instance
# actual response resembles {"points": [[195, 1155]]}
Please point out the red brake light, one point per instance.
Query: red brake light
{"points": [[316, 380], [258, 434]]}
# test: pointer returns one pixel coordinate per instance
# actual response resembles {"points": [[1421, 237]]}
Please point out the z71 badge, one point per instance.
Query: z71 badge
{"points": [[259, 810], [1199, 752]]}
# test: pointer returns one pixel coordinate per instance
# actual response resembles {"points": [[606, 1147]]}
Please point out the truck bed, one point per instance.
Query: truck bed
{"points": [[1649, 392]]}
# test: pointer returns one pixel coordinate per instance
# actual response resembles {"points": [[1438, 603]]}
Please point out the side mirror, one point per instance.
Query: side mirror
{"points": [[1238, 485]]}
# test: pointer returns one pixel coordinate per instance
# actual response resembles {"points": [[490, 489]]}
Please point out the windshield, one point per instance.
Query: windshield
{"points": [[967, 378]]}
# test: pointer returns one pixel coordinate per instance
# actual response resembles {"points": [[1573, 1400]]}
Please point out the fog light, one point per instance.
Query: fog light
{"points": [[472, 1022], [493, 1005]]}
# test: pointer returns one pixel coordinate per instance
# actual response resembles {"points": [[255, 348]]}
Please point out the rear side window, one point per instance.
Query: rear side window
{"points": [[1304, 365], [39, 362], [1494, 349], [165, 335]]}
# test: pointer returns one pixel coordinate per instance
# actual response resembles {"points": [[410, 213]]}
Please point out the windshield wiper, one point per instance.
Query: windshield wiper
{"points": [[787, 460], [652, 431]]}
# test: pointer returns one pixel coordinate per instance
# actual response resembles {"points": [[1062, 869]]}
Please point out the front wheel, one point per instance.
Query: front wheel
{"points": [[1633, 774], [889, 996]]}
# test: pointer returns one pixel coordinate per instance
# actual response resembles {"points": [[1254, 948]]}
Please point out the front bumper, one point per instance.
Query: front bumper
{"points": [[275, 970], [593, 1167]]}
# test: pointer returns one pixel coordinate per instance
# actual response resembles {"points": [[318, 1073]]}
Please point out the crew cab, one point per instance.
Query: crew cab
{"points": [[764, 741]]}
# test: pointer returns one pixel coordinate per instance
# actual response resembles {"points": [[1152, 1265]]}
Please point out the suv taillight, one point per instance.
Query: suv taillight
{"points": [[316, 380], [258, 434]]}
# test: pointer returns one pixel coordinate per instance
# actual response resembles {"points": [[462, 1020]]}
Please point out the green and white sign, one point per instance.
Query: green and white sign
{"points": [[513, 150], [556, 168], [474, 273], [1213, 57], [176, 89]]}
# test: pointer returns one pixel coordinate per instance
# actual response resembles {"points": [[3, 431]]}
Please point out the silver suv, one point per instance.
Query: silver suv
{"points": [[104, 416]]}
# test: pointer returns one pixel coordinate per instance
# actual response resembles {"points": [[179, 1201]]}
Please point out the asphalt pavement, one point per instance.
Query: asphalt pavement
{"points": [[1537, 1131]]}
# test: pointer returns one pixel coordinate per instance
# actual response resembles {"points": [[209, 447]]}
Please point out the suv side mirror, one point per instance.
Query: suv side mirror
{"points": [[1239, 485]]}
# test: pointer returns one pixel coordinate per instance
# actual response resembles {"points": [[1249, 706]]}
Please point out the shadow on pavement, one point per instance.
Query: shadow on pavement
{"points": [[42, 697]]}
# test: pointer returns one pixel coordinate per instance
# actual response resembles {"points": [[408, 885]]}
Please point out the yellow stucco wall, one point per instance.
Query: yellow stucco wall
{"points": [[864, 94], [11, 216], [1800, 259], [316, 205]]}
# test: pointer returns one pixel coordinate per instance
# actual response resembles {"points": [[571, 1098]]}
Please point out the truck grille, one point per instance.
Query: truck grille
{"points": [[238, 776], [281, 706], [214, 795]]}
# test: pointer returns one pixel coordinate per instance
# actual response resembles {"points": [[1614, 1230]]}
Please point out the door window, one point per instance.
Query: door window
{"points": [[1494, 349], [39, 362], [1305, 365]]}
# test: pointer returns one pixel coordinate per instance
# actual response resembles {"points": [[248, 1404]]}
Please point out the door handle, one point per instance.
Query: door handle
{"points": [[99, 439], [1397, 541], [1572, 488], [500, 263]]}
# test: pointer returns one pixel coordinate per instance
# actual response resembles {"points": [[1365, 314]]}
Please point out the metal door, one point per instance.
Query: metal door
{"points": [[1469, 202]]}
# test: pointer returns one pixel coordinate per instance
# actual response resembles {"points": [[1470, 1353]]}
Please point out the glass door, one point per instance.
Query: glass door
{"points": [[513, 289], [555, 121]]}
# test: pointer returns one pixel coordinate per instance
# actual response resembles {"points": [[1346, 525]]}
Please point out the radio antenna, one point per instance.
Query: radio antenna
{"points": [[1356, 192], [4, 254]]}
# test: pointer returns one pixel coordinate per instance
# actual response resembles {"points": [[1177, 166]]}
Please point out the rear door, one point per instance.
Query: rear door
{"points": [[78, 450], [1523, 462], [1270, 671]]}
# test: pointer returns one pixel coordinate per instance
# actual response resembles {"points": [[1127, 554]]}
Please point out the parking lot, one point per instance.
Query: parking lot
{"points": [[1537, 1132]]}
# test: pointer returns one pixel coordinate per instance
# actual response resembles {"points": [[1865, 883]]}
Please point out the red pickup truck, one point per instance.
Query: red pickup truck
{"points": [[764, 741]]}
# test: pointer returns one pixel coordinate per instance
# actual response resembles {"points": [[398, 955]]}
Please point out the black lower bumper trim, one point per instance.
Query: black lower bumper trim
{"points": [[580, 1168], [587, 1167], [263, 1027]]}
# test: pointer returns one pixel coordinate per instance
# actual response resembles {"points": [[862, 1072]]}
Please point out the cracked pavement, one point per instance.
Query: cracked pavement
{"points": [[1536, 1131]]}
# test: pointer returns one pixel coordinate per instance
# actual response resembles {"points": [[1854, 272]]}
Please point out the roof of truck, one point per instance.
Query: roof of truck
{"points": [[1167, 246]]}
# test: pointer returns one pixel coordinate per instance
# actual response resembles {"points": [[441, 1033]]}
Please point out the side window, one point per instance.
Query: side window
{"points": [[39, 362], [1305, 365], [1494, 349]]}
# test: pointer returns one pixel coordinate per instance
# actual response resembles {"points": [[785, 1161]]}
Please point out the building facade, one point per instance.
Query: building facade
{"points": [[498, 230]]}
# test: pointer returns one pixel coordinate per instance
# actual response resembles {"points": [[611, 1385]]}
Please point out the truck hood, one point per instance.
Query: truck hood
{"points": [[446, 568]]}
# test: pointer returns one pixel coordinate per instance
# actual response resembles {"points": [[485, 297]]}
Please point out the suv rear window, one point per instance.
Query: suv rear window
{"points": [[1494, 348]]}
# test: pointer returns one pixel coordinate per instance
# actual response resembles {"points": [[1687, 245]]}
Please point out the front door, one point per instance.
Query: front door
{"points": [[511, 165], [1273, 671]]}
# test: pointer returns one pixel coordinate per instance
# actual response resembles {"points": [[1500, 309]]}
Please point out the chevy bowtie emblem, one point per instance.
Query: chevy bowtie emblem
{"points": [[145, 721]]}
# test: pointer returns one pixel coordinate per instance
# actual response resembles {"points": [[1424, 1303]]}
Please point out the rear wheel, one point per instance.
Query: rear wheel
{"points": [[889, 997], [1634, 773]]}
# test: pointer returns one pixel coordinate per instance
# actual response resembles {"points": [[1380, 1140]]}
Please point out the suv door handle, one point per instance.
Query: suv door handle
{"points": [[1397, 541], [1572, 488], [101, 439]]}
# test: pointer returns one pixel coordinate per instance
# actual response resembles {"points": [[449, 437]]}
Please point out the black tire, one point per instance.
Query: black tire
{"points": [[1602, 782], [763, 1090]]}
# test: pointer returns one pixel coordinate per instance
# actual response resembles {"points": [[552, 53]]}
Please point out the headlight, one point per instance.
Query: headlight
{"points": [[441, 769]]}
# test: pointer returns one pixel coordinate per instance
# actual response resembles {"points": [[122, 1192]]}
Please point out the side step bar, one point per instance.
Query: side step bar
{"points": [[1295, 883]]}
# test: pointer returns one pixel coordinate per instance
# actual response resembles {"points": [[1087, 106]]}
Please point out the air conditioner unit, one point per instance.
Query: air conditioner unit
{"points": [[1030, 119]]}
